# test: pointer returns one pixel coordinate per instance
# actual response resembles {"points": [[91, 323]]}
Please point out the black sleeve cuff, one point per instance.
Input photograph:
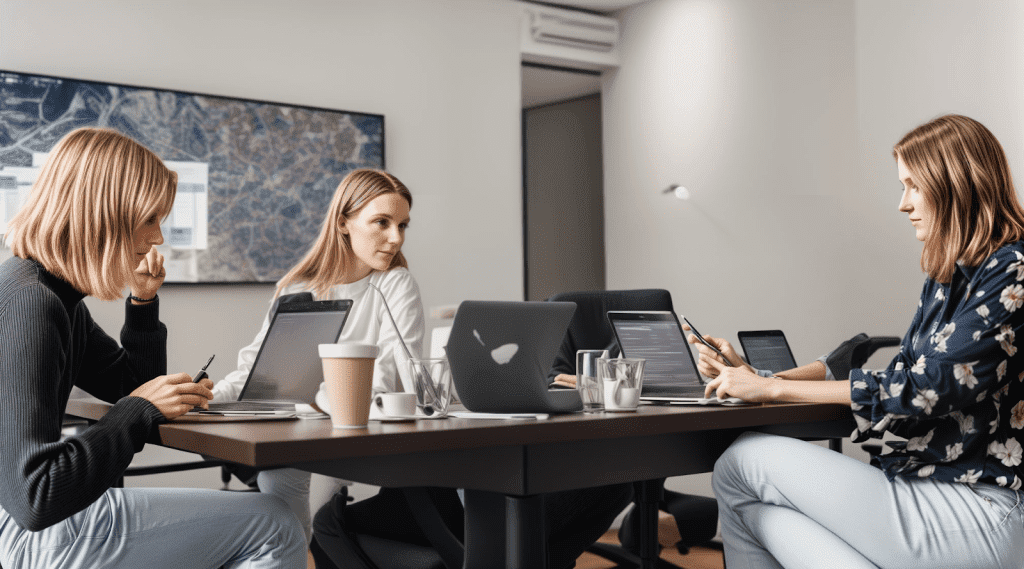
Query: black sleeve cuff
{"points": [[142, 316]]}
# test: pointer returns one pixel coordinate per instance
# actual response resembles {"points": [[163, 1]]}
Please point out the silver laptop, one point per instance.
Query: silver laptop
{"points": [[500, 353], [670, 373], [287, 369]]}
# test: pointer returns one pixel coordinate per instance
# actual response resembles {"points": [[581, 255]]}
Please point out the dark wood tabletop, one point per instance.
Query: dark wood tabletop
{"points": [[497, 454]]}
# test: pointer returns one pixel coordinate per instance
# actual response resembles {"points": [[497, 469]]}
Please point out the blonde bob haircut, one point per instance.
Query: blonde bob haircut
{"points": [[96, 188], [962, 171], [328, 260]]}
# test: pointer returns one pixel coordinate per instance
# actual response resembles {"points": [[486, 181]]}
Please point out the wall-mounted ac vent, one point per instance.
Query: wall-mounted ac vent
{"points": [[574, 30], [554, 36]]}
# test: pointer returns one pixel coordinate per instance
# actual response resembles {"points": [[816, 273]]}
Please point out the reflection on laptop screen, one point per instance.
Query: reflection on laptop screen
{"points": [[769, 352], [288, 367], [661, 343]]}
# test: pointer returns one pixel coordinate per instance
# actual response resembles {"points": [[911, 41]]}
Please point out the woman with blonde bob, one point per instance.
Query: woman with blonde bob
{"points": [[359, 245], [89, 228], [949, 492]]}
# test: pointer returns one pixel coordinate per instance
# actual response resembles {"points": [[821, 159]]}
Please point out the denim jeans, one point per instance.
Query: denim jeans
{"points": [[162, 527], [790, 503]]}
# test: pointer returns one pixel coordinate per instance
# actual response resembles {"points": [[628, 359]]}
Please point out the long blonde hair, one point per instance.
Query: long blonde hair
{"points": [[962, 170], [328, 260], [95, 189]]}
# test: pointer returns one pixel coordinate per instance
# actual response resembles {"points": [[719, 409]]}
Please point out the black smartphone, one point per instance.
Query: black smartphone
{"points": [[202, 371], [706, 343]]}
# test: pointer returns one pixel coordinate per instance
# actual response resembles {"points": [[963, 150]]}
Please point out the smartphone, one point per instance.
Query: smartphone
{"points": [[705, 342], [202, 371]]}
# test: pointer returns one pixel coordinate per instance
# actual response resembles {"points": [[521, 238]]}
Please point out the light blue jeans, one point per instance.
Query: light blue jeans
{"points": [[789, 503], [154, 528]]}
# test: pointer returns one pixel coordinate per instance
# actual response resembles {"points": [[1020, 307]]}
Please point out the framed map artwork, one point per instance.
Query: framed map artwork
{"points": [[254, 177]]}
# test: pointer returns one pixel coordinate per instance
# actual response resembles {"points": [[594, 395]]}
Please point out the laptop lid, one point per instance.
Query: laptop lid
{"points": [[287, 367], [500, 354], [656, 336], [767, 349]]}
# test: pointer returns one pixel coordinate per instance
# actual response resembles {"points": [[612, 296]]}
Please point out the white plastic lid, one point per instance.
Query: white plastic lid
{"points": [[349, 350]]}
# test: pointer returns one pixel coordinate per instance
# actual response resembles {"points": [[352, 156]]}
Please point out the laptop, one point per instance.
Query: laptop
{"points": [[767, 349], [670, 374], [500, 353], [287, 369]]}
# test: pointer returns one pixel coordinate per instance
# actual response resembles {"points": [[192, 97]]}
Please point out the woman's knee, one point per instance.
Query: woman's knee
{"points": [[327, 520], [728, 468], [280, 519]]}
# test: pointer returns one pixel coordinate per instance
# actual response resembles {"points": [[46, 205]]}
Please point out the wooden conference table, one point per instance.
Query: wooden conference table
{"points": [[502, 462]]}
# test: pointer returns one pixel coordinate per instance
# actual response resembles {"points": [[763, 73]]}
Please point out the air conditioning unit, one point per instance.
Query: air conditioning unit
{"points": [[567, 37], [574, 29]]}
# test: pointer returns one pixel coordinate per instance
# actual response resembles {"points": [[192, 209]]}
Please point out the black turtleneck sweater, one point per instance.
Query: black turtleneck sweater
{"points": [[49, 343]]}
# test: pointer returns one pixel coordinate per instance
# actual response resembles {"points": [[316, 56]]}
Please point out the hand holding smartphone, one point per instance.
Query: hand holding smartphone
{"points": [[202, 371], [706, 343]]}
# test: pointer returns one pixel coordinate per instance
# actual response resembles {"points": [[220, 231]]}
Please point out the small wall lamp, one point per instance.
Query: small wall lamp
{"points": [[679, 191]]}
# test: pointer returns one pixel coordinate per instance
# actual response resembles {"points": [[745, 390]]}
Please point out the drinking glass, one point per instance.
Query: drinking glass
{"points": [[587, 382]]}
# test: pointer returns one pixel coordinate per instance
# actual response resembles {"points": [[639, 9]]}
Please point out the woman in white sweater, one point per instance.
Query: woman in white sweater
{"points": [[359, 244]]}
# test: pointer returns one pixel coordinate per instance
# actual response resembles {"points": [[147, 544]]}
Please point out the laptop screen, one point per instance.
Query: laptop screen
{"points": [[288, 366], [767, 349], [657, 338]]}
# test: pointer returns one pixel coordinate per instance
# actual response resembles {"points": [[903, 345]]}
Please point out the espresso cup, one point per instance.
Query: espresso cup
{"points": [[396, 404], [348, 379]]}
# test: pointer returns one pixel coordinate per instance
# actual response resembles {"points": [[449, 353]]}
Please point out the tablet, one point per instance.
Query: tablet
{"points": [[767, 349]]}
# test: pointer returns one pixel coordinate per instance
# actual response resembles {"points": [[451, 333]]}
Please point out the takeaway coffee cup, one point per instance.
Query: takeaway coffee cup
{"points": [[348, 378]]}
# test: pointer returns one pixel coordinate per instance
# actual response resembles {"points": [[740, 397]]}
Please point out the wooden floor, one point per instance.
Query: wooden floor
{"points": [[668, 535]]}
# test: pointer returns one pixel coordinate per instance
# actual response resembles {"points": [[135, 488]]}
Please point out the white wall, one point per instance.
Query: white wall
{"points": [[780, 117], [452, 122], [452, 119]]}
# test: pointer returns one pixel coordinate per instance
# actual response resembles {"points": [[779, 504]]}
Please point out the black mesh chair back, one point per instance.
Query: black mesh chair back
{"points": [[589, 328]]}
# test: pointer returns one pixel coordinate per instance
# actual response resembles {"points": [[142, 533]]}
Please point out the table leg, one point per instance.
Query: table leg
{"points": [[648, 495], [504, 531], [526, 544], [485, 530]]}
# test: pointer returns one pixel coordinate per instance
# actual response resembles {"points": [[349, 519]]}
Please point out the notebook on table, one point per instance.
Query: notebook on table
{"points": [[287, 370], [670, 374]]}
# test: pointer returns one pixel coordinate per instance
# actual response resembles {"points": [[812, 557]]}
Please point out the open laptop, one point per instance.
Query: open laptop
{"points": [[500, 353], [287, 369], [670, 374], [767, 349]]}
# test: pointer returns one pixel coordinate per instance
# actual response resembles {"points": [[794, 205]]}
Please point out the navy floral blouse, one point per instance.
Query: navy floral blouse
{"points": [[956, 389]]}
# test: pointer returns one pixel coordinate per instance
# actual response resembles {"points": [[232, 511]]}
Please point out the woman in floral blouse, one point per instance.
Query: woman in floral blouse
{"points": [[950, 495]]}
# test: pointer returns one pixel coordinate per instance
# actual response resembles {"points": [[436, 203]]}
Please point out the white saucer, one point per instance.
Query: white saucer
{"points": [[404, 418], [620, 410], [397, 418]]}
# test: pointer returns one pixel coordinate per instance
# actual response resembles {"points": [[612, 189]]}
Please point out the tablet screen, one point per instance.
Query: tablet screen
{"points": [[767, 349]]}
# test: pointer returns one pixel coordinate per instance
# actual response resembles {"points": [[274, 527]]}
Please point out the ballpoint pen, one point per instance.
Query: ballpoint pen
{"points": [[202, 372], [428, 384]]}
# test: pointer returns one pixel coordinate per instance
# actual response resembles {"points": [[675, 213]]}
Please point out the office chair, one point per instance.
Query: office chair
{"points": [[696, 516], [853, 354]]}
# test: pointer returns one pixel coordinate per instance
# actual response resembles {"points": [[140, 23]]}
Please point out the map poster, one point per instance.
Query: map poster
{"points": [[254, 177]]}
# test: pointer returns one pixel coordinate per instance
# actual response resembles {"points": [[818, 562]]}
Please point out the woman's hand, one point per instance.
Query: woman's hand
{"points": [[739, 382], [706, 355], [564, 380], [149, 275], [175, 395]]}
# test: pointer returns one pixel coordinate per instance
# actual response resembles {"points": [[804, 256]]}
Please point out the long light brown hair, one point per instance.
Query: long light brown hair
{"points": [[96, 188], [962, 171], [328, 260]]}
